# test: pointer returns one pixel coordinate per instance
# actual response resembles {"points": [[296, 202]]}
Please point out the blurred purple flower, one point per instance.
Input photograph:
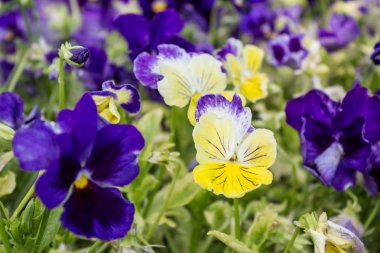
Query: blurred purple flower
{"points": [[336, 137], [10, 28], [375, 57], [90, 161], [144, 35], [342, 30], [287, 50]]}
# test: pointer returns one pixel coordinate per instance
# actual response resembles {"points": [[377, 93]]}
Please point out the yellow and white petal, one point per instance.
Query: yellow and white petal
{"points": [[319, 241], [230, 178], [214, 138], [259, 149], [331, 248], [101, 101], [208, 74], [192, 108], [229, 94], [255, 87], [178, 85], [253, 58]]}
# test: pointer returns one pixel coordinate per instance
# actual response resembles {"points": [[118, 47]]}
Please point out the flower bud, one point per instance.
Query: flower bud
{"points": [[75, 56]]}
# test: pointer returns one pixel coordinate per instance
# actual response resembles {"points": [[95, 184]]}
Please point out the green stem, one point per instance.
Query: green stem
{"points": [[61, 81], [194, 238], [212, 27], [372, 215], [95, 246], [42, 228], [23, 203], [163, 209], [4, 236], [291, 242], [17, 70], [154, 191], [237, 218]]}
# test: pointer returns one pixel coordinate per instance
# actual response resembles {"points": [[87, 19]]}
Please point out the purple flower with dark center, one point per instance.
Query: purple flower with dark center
{"points": [[90, 161], [144, 35], [343, 29], [336, 137], [259, 23], [375, 57], [12, 111], [287, 50]]}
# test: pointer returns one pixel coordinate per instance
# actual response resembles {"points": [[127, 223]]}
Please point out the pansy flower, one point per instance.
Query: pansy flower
{"points": [[84, 165], [243, 65], [179, 76], [343, 30], [112, 96], [336, 137], [12, 114], [287, 50], [233, 157], [330, 236]]}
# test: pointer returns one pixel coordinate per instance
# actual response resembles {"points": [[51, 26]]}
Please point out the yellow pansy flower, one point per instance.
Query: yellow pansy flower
{"points": [[243, 64], [233, 157]]}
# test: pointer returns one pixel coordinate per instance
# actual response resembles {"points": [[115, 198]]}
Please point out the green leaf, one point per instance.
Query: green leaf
{"points": [[137, 192], [52, 227], [7, 183], [5, 158], [259, 231], [231, 242]]}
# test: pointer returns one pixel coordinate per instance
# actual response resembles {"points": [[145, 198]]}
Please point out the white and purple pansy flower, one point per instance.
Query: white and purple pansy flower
{"points": [[179, 76], [112, 96], [83, 166], [12, 114], [336, 137]]}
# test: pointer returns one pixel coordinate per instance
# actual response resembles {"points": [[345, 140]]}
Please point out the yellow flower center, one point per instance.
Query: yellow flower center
{"points": [[81, 182], [159, 6]]}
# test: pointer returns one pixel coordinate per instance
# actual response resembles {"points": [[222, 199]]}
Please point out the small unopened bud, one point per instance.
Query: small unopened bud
{"points": [[75, 56]]}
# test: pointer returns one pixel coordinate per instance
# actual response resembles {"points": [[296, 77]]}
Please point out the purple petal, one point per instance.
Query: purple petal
{"points": [[146, 70], [98, 212], [164, 25], [36, 146], [130, 101], [81, 124], [172, 52], [11, 110], [233, 46], [315, 103], [134, 28], [113, 160]]}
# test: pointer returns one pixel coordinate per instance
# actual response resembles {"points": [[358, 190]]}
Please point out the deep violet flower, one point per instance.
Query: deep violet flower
{"points": [[336, 137], [375, 57], [144, 35], [287, 50], [342, 30], [90, 161]]}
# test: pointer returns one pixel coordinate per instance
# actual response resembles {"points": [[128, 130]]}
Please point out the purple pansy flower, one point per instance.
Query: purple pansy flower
{"points": [[336, 137], [10, 28], [372, 177], [259, 23], [287, 50], [343, 29], [144, 35], [90, 161]]}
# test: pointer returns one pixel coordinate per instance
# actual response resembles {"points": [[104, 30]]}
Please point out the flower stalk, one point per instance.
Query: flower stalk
{"points": [[292, 240], [237, 218]]}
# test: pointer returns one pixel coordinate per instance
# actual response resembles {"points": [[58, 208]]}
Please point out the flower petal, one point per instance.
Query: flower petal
{"points": [[259, 149], [81, 124], [98, 212], [231, 179], [35, 146], [253, 57], [215, 138], [342, 237], [127, 96], [254, 88], [146, 70], [11, 110], [113, 159]]}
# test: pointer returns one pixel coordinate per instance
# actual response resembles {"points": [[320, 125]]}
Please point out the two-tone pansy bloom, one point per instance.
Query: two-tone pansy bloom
{"points": [[83, 163], [242, 64], [330, 236], [336, 137], [12, 114], [112, 96], [233, 156], [180, 77], [287, 50]]}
